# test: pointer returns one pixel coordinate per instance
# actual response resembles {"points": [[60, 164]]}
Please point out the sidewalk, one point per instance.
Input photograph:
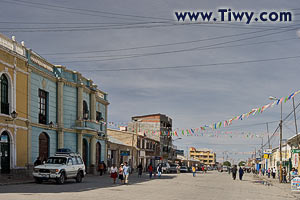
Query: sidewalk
{"points": [[285, 187], [8, 179]]}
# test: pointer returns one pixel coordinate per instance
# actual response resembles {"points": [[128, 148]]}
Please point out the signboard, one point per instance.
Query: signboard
{"points": [[157, 158], [258, 159], [266, 156], [268, 151], [125, 153], [295, 184], [296, 150]]}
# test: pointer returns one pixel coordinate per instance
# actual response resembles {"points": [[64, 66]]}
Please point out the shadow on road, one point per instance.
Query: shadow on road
{"points": [[89, 183]]}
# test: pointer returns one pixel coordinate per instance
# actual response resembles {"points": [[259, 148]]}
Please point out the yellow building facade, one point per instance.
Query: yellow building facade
{"points": [[205, 156], [13, 105]]}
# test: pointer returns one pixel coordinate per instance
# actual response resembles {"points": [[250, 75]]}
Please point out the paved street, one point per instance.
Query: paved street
{"points": [[213, 185]]}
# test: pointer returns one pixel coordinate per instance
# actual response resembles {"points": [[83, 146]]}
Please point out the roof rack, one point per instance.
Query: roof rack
{"points": [[65, 152]]}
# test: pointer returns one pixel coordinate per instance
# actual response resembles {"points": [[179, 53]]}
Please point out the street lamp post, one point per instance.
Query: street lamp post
{"points": [[280, 140]]}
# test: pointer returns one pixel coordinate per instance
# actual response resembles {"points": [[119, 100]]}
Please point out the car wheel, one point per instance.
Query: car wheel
{"points": [[38, 180], [79, 177], [61, 179]]}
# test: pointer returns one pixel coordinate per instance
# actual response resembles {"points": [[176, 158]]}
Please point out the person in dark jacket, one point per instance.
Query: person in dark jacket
{"points": [[241, 173], [140, 170], [234, 171], [37, 162]]}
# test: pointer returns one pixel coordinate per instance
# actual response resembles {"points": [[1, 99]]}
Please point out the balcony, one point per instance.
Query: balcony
{"points": [[91, 125]]}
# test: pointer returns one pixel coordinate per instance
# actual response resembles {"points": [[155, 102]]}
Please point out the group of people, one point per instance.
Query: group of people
{"points": [[122, 173], [234, 171], [272, 172]]}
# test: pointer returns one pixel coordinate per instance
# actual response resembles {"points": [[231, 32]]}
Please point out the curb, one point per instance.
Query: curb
{"points": [[16, 183]]}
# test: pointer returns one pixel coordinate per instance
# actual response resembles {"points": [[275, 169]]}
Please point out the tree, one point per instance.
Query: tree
{"points": [[242, 163], [227, 163]]}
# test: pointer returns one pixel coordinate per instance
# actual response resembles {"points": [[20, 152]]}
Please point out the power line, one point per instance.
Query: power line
{"points": [[176, 51], [279, 126], [194, 66], [89, 11], [208, 48]]}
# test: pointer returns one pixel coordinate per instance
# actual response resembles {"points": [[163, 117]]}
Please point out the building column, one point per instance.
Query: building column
{"points": [[60, 112], [93, 155], [29, 131], [80, 102], [60, 138], [93, 106], [79, 143]]}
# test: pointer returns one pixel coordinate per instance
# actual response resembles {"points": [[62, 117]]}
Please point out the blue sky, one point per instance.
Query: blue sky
{"points": [[192, 97]]}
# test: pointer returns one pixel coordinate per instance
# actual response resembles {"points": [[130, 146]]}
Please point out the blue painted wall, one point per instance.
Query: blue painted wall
{"points": [[36, 131], [103, 150], [36, 84], [70, 106], [70, 141]]}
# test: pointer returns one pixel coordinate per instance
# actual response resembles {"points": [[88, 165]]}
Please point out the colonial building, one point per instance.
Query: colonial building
{"points": [[157, 127], [205, 156], [14, 106], [45, 107], [67, 111]]}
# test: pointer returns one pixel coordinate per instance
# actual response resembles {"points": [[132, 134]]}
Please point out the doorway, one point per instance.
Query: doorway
{"points": [[5, 152], [43, 147], [85, 152]]}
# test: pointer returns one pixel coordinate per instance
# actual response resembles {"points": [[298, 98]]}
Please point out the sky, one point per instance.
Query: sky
{"points": [[97, 37]]}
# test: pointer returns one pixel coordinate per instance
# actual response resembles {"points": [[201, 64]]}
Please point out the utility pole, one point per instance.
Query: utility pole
{"points": [[296, 127], [268, 136], [280, 144]]}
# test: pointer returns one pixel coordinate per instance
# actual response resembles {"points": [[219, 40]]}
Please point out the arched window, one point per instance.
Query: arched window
{"points": [[4, 95], [85, 110]]}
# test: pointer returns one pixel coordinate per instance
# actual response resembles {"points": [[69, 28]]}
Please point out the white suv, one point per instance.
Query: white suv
{"points": [[60, 167]]}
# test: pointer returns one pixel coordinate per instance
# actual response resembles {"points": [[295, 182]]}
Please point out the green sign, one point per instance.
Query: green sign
{"points": [[296, 150]]}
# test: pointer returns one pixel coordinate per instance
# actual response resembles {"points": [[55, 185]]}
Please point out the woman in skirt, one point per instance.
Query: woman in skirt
{"points": [[113, 172], [121, 177]]}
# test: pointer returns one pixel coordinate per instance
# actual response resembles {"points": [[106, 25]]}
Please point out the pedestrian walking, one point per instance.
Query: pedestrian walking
{"points": [[126, 172], [114, 172], [101, 168], [140, 170], [194, 171], [150, 170], [159, 170], [284, 173], [268, 172], [234, 171], [121, 177], [241, 173], [263, 171], [274, 173]]}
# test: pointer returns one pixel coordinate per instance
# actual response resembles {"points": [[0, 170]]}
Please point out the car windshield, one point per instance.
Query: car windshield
{"points": [[183, 167], [56, 160]]}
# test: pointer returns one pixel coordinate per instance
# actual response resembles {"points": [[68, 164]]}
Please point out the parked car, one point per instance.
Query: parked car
{"points": [[62, 166], [184, 169], [173, 168], [165, 167], [225, 169]]}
